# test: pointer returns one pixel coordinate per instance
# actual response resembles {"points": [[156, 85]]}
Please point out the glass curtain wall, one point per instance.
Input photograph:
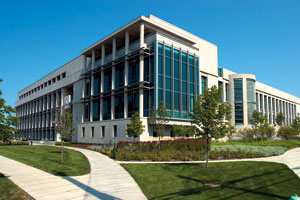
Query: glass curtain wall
{"points": [[250, 97], [238, 101]]}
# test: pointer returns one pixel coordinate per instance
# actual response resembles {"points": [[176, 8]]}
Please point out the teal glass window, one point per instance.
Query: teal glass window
{"points": [[168, 66], [176, 101], [184, 102], [168, 83], [160, 95], [184, 72], [176, 54], [160, 64], [183, 57], [167, 51], [220, 85], [220, 72], [191, 60], [238, 90], [238, 112], [203, 83], [250, 97], [191, 103], [191, 73], [160, 48], [184, 87], [160, 81], [192, 89], [176, 69], [168, 100], [176, 85]]}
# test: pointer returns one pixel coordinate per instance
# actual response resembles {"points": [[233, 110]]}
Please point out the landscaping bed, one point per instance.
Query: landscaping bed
{"points": [[226, 180], [188, 150]]}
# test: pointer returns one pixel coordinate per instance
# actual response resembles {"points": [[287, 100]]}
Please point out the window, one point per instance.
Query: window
{"points": [[58, 78], [133, 103], [220, 85], [250, 97], [87, 88], [106, 108], [227, 92], [107, 81], [115, 131], [63, 75], [103, 131], [96, 84], [119, 77], [96, 111], [119, 106], [133, 72], [92, 132], [203, 83], [87, 113], [238, 101], [220, 72], [83, 131]]}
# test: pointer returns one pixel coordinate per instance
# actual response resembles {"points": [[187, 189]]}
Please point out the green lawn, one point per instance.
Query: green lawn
{"points": [[8, 190], [290, 144], [236, 180], [48, 159]]}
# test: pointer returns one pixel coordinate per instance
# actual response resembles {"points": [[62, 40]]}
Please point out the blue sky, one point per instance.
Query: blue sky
{"points": [[261, 37]]}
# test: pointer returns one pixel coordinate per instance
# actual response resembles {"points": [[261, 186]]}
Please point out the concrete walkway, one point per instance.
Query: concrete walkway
{"points": [[42, 185], [291, 158], [107, 180]]}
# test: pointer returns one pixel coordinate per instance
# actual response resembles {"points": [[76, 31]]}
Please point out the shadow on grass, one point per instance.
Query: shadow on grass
{"points": [[89, 190], [229, 185]]}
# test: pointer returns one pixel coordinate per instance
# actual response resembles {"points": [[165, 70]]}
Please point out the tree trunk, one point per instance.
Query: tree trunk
{"points": [[62, 152], [207, 153], [159, 142]]}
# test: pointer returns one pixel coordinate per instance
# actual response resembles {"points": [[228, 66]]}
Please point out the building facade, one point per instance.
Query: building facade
{"points": [[133, 69]]}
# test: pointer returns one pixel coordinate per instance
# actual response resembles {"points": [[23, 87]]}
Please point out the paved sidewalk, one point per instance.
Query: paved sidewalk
{"points": [[108, 180], [42, 185], [291, 158]]}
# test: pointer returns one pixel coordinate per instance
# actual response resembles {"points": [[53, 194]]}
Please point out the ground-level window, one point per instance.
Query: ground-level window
{"points": [[103, 131], [83, 131], [115, 131], [92, 131]]}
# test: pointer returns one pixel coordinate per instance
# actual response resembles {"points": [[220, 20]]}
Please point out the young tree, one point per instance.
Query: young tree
{"points": [[64, 126], [260, 125], [211, 116], [286, 132], [178, 130], [158, 119], [296, 124], [8, 120], [279, 119], [136, 127]]}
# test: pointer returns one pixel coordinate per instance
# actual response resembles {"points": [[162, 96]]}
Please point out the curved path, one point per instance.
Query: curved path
{"points": [[107, 180]]}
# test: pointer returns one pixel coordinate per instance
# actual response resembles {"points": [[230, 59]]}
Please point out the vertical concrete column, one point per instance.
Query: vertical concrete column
{"points": [[271, 111], [93, 59], [62, 95], [92, 76], [91, 111], [258, 103], [102, 54], [113, 77], [126, 74], [141, 65]]}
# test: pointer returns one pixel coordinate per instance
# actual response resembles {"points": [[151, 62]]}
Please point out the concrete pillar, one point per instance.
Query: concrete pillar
{"points": [[125, 104], [91, 111], [113, 76], [102, 54], [141, 65], [126, 74], [93, 59]]}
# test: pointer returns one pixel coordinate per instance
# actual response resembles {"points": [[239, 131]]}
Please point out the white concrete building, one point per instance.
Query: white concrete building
{"points": [[132, 70]]}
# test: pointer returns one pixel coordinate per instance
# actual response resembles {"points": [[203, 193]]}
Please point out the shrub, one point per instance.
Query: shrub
{"points": [[259, 150], [247, 133], [286, 132]]}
